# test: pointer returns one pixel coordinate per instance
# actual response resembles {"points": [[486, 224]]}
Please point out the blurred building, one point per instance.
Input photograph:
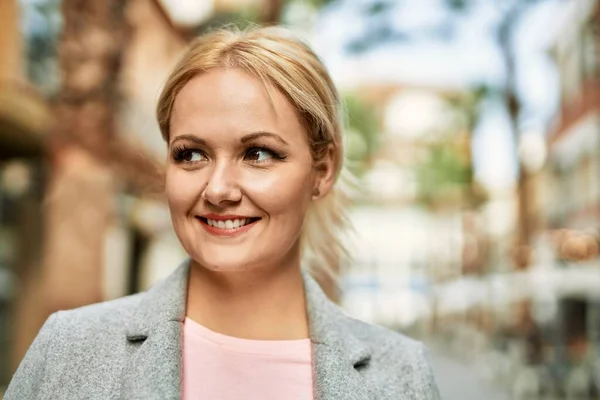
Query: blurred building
{"points": [[24, 122], [554, 315], [43, 184], [568, 217], [574, 165], [411, 228]]}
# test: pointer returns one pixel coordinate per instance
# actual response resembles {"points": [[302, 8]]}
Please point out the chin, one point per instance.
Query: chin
{"points": [[249, 256], [224, 261]]}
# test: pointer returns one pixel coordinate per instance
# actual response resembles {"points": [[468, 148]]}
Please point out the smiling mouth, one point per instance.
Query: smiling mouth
{"points": [[227, 225]]}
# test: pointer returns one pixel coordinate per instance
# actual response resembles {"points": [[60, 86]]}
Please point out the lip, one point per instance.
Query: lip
{"points": [[225, 232]]}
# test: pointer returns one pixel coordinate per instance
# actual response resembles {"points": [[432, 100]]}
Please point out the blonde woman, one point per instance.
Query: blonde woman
{"points": [[251, 120]]}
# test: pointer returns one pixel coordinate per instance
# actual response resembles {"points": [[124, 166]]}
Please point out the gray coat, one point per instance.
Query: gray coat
{"points": [[130, 348]]}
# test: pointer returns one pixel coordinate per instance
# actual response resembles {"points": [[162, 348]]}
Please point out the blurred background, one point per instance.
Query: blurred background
{"points": [[473, 125]]}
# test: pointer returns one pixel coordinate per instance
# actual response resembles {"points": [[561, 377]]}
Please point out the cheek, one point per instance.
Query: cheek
{"points": [[182, 190], [280, 193]]}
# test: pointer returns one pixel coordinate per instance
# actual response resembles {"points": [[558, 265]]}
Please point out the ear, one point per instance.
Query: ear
{"points": [[325, 169]]}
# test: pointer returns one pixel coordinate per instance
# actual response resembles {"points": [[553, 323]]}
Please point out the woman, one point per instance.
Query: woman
{"points": [[251, 120]]}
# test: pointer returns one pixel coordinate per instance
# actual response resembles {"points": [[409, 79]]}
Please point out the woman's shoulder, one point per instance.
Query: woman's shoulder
{"points": [[386, 341], [374, 334], [98, 316], [396, 360], [73, 345]]}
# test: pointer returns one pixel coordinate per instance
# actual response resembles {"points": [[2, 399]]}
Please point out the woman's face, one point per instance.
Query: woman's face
{"points": [[240, 174]]}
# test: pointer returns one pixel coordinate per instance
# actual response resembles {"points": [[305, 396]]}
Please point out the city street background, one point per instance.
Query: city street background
{"points": [[473, 127]]}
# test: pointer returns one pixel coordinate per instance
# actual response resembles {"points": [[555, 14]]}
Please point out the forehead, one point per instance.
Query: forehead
{"points": [[228, 102]]}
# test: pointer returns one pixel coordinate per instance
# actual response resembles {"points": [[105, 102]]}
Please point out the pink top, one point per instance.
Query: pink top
{"points": [[220, 367]]}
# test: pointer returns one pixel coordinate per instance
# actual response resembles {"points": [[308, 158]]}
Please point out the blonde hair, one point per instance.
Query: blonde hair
{"points": [[281, 60]]}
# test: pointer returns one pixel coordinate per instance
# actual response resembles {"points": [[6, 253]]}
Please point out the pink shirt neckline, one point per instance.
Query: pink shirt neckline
{"points": [[273, 348], [217, 366]]}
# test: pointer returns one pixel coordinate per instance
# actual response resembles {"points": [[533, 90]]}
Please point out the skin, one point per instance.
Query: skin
{"points": [[222, 162]]}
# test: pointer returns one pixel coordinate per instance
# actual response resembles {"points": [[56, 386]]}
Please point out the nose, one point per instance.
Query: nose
{"points": [[222, 186]]}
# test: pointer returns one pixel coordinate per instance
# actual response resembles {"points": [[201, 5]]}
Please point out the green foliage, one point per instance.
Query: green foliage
{"points": [[458, 5], [445, 172], [242, 19], [319, 3], [468, 104], [362, 133], [379, 7]]}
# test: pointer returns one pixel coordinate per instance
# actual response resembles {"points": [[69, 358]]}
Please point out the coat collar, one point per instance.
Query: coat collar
{"points": [[155, 334]]}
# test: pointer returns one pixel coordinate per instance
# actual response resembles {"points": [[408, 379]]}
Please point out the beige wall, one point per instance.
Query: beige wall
{"points": [[152, 52], [11, 60]]}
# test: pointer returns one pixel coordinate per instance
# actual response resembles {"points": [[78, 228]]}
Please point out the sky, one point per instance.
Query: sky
{"points": [[471, 58]]}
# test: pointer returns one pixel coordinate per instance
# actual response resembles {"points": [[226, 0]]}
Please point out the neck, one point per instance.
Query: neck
{"points": [[262, 304]]}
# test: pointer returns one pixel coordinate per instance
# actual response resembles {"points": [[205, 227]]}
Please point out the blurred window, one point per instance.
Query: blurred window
{"points": [[574, 319], [590, 51], [41, 22], [571, 75], [594, 179]]}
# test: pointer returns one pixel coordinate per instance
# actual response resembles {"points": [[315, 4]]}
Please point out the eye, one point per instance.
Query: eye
{"points": [[188, 156], [192, 156], [258, 154]]}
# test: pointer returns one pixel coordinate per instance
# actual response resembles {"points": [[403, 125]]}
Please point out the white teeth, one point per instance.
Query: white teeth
{"points": [[228, 224]]}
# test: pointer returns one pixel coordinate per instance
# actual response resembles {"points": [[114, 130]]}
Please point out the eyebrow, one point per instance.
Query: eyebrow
{"points": [[255, 135], [191, 138], [245, 139]]}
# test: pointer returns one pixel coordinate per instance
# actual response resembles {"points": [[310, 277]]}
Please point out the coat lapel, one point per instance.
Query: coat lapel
{"points": [[336, 377], [154, 367], [336, 351]]}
